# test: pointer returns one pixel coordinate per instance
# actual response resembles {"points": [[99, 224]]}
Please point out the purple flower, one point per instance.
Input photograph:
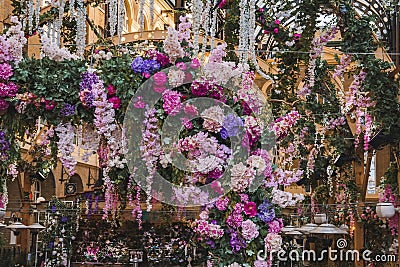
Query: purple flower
{"points": [[53, 208], [64, 219], [230, 126], [162, 59], [266, 212], [236, 242], [67, 110], [137, 64], [88, 79]]}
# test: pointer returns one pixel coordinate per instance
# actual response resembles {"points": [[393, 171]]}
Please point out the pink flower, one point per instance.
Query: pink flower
{"points": [[172, 102], [249, 230], [5, 71], [3, 104], [160, 78], [8, 90], [111, 90], [216, 186], [261, 263], [250, 209], [222, 203], [181, 65], [116, 101], [187, 123], [277, 22], [139, 103], [222, 4], [190, 110], [49, 104], [244, 198], [195, 63], [275, 226], [159, 89], [276, 30]]}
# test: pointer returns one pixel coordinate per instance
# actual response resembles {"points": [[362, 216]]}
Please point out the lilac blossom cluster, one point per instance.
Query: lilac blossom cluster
{"points": [[89, 78]]}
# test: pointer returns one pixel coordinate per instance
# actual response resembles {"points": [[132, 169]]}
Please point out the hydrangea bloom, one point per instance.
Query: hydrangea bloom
{"points": [[231, 126], [213, 118], [240, 177], [266, 212], [249, 230], [172, 102]]}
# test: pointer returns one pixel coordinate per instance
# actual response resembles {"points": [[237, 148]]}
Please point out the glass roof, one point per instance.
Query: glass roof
{"points": [[363, 8]]}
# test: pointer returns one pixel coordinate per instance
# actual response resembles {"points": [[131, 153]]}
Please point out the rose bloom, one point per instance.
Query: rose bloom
{"points": [[250, 209], [116, 101], [160, 78]]}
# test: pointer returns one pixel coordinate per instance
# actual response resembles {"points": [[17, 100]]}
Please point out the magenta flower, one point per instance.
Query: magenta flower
{"points": [[160, 78], [49, 104], [250, 209], [172, 102], [3, 104], [277, 22], [139, 103], [116, 101], [111, 90], [195, 63], [181, 66], [222, 4], [276, 30]]}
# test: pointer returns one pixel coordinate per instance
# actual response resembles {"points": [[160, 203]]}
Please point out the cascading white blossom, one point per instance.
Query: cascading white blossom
{"points": [[80, 28], [112, 15], [213, 25], [197, 10], [37, 13], [90, 141], [205, 23], [30, 7], [121, 19], [65, 145], [141, 14]]}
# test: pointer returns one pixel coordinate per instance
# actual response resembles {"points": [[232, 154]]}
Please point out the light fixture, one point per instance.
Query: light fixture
{"points": [[36, 227], [16, 226], [40, 199]]}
